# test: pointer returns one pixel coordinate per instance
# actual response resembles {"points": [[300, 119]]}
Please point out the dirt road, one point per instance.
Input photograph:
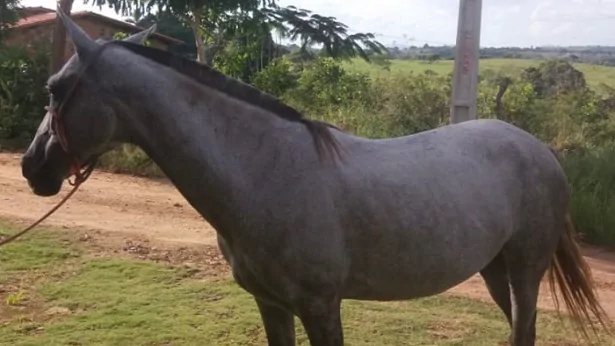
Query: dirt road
{"points": [[109, 203], [124, 207]]}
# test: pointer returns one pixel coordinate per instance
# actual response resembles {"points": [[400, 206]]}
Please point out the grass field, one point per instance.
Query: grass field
{"points": [[57, 291], [594, 74]]}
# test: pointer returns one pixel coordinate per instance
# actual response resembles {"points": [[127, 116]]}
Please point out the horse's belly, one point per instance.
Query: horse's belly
{"points": [[408, 278]]}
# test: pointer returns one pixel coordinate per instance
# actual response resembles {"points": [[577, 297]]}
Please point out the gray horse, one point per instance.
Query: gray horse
{"points": [[308, 215]]}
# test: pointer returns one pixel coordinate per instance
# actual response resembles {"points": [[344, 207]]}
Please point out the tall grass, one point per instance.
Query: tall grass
{"points": [[592, 178]]}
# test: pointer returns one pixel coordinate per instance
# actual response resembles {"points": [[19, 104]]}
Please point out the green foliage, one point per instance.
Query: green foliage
{"points": [[169, 25], [9, 15], [559, 109], [324, 83], [223, 20], [381, 60], [313, 29], [555, 76], [23, 74], [248, 49], [277, 78], [120, 35], [412, 103], [592, 177]]}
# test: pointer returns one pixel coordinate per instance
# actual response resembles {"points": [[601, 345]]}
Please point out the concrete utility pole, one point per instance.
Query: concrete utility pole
{"points": [[465, 73]]}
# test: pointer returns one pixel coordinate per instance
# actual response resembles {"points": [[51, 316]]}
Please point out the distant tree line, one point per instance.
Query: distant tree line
{"points": [[598, 55]]}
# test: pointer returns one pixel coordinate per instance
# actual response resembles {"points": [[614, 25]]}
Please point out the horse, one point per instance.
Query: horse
{"points": [[308, 215]]}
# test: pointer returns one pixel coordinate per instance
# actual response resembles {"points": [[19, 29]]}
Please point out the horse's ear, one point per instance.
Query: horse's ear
{"points": [[142, 36], [84, 45]]}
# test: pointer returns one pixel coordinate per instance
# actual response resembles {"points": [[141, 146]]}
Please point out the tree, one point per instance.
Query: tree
{"points": [[431, 58], [9, 15], [312, 29], [553, 77], [203, 17], [503, 84], [212, 21], [58, 46], [169, 25]]}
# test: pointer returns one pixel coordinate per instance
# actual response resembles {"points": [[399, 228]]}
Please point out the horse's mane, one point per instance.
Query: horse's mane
{"points": [[320, 131]]}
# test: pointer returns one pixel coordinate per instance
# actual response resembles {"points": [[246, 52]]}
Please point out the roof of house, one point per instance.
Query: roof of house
{"points": [[30, 11], [49, 17]]}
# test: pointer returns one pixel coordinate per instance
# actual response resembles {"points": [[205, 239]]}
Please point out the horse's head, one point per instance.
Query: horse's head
{"points": [[79, 124]]}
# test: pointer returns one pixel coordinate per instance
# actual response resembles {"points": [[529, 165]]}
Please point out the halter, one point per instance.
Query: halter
{"points": [[57, 129]]}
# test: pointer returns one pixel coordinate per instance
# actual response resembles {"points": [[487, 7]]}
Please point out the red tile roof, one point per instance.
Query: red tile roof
{"points": [[46, 18], [37, 18]]}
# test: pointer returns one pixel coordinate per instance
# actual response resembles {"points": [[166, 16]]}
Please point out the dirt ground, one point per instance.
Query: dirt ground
{"points": [[128, 215]]}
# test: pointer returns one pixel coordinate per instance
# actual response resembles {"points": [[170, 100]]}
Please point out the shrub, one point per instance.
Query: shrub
{"points": [[411, 103], [323, 83], [277, 78], [23, 73], [592, 177]]}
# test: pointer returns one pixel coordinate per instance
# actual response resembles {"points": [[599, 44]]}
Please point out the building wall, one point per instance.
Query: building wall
{"points": [[93, 27]]}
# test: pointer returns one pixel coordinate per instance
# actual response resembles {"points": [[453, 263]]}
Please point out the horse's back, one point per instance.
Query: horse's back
{"points": [[477, 150]]}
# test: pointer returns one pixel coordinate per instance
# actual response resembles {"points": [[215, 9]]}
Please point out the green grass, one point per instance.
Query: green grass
{"points": [[594, 74], [592, 177], [119, 301]]}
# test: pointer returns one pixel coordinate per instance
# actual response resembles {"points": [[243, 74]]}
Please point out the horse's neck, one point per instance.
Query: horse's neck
{"points": [[214, 149]]}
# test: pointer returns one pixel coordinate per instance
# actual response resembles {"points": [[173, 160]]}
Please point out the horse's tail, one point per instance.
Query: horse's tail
{"points": [[572, 274]]}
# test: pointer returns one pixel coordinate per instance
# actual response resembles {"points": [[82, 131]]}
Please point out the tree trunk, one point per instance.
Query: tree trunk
{"points": [[58, 45], [502, 87], [195, 24]]}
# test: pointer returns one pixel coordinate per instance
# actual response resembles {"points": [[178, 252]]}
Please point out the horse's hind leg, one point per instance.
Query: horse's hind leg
{"points": [[321, 318], [279, 324], [525, 271], [496, 278]]}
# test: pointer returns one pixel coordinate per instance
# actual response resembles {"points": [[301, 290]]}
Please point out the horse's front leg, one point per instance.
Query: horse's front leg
{"points": [[279, 324]]}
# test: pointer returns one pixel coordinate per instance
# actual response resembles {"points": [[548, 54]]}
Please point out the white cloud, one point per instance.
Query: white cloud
{"points": [[504, 22]]}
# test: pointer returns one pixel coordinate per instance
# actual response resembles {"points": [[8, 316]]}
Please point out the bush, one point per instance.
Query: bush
{"points": [[277, 78], [592, 177], [323, 84], [411, 103], [23, 73]]}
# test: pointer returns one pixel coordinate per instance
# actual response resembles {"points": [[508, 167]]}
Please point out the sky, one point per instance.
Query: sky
{"points": [[520, 23]]}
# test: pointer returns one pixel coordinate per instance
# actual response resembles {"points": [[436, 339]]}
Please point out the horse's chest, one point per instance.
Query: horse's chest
{"points": [[251, 275]]}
